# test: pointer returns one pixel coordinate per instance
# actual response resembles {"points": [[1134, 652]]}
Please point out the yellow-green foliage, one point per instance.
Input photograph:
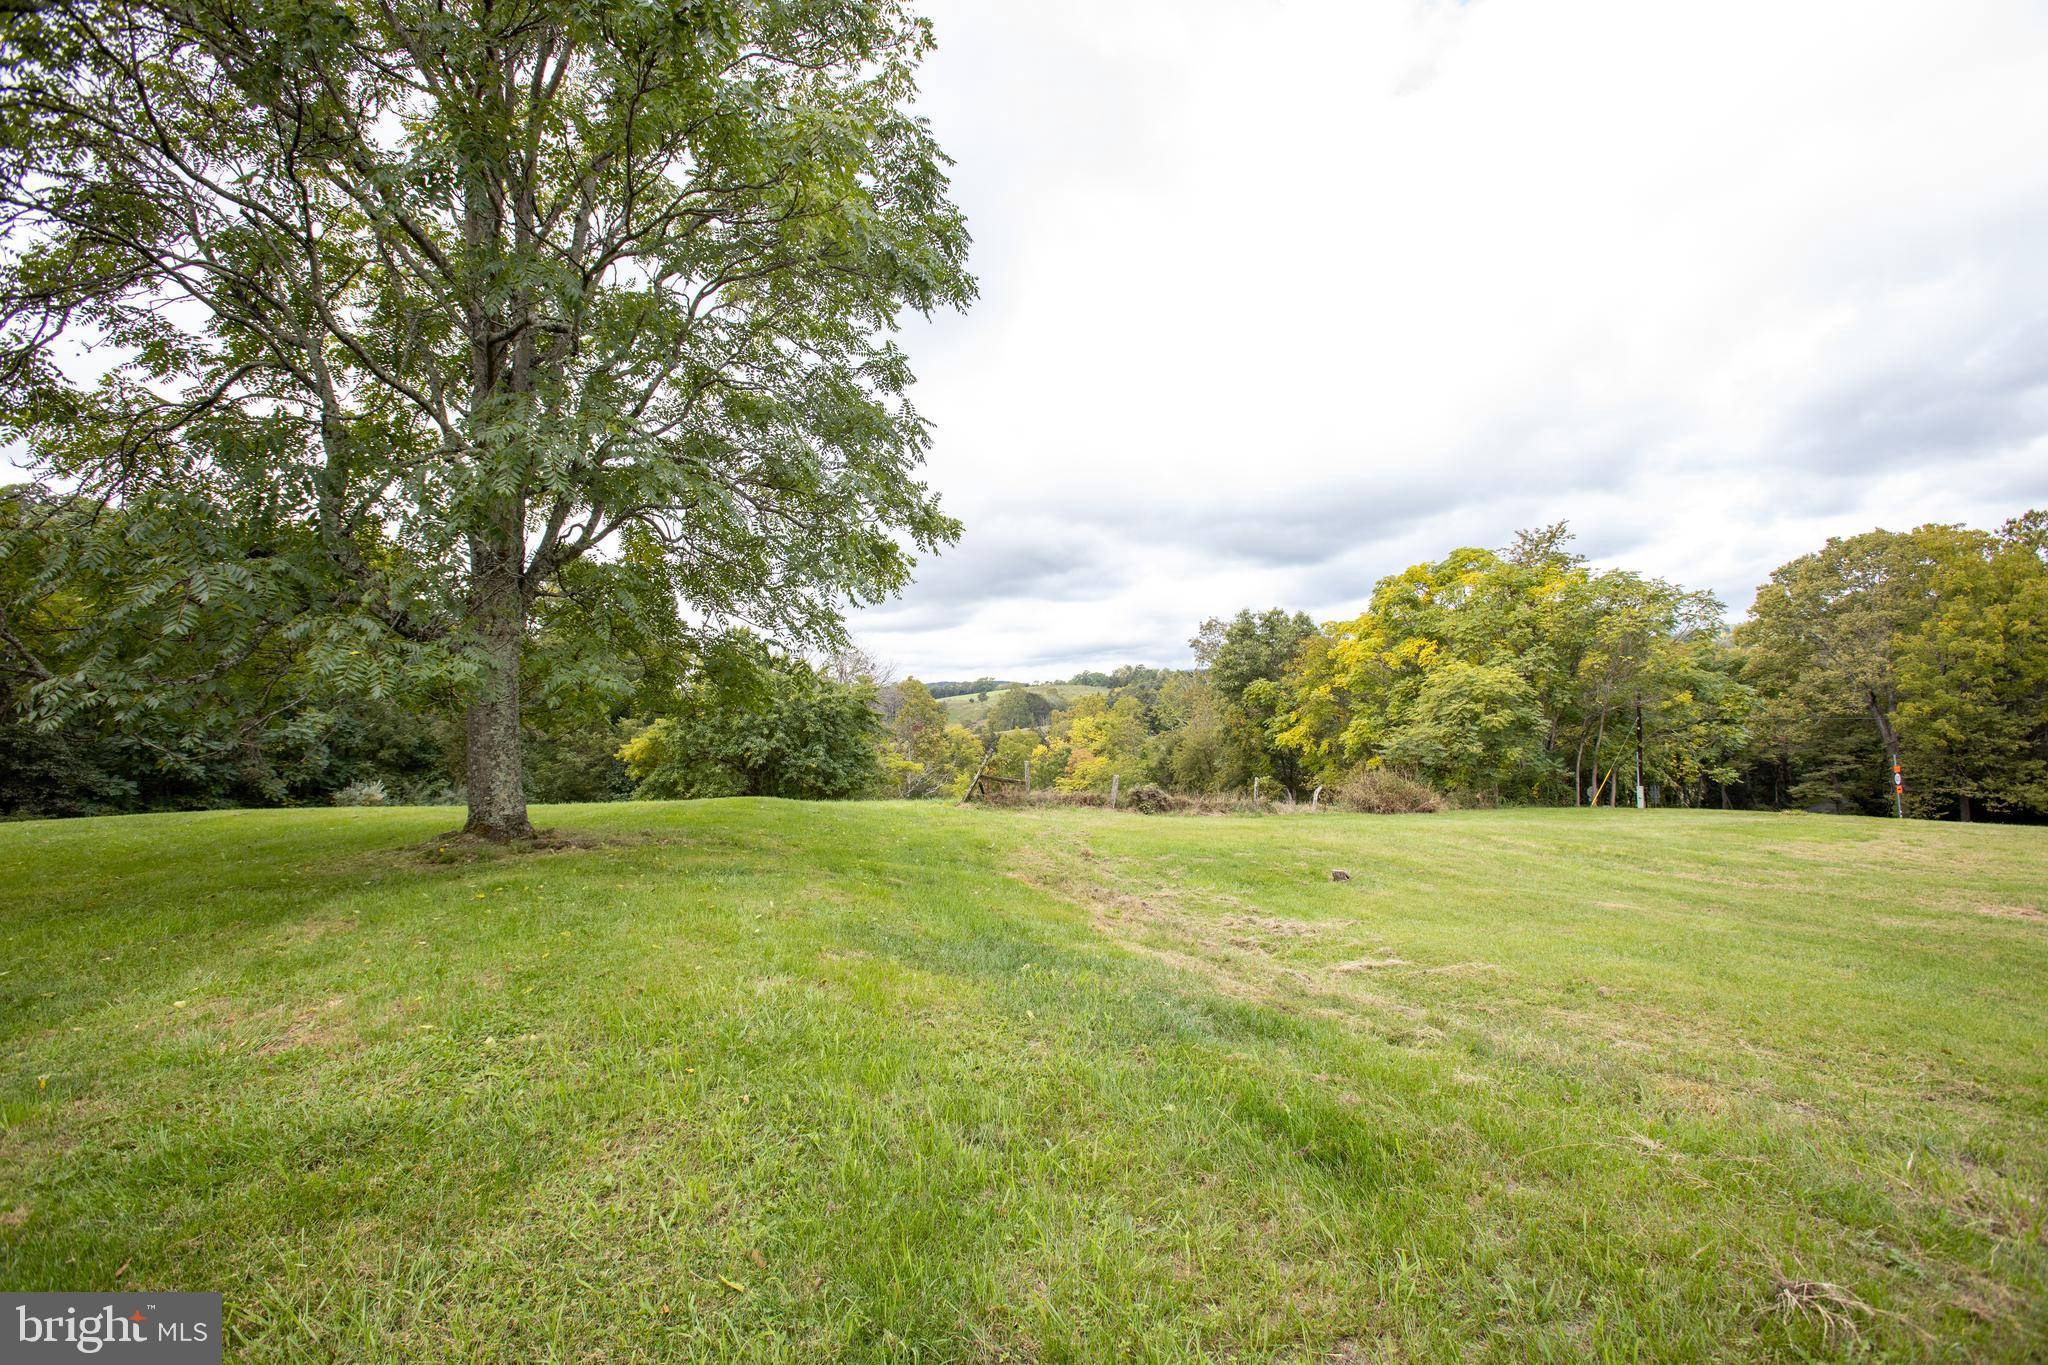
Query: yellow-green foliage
{"points": [[645, 751], [1509, 674], [1104, 740], [1013, 749], [930, 755], [949, 754]]}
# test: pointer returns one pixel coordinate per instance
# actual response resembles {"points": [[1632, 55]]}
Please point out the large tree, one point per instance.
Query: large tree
{"points": [[1924, 649], [1587, 646], [436, 298], [1249, 647]]}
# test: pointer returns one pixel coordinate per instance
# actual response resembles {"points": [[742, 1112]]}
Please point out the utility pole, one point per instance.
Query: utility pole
{"points": [[1639, 751]]}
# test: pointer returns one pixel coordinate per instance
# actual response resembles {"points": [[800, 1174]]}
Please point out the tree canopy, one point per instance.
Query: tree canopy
{"points": [[793, 732], [421, 316], [1932, 643]]}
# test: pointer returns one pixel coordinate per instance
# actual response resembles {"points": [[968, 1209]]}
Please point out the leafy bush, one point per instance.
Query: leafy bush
{"points": [[67, 771], [794, 733], [1376, 791], [362, 794], [577, 760]]}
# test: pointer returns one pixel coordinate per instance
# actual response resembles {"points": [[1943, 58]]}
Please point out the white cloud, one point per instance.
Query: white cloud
{"points": [[1279, 297]]}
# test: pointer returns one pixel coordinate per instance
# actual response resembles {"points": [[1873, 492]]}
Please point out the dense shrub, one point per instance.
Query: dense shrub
{"points": [[362, 794], [796, 734], [65, 771], [577, 759], [1376, 791]]}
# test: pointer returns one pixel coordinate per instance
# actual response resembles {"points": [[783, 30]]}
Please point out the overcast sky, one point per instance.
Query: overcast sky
{"points": [[1279, 297]]}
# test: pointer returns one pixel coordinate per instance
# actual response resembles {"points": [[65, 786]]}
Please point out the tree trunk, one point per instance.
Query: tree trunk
{"points": [[1890, 737], [1965, 815], [497, 550], [497, 790], [1599, 738], [1639, 751]]}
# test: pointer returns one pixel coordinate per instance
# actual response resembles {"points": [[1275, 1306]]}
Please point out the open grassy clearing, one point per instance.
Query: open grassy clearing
{"points": [[776, 1081], [970, 710]]}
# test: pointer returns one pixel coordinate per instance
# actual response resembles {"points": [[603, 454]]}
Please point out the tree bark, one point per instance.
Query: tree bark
{"points": [[497, 789], [497, 551], [1890, 737]]}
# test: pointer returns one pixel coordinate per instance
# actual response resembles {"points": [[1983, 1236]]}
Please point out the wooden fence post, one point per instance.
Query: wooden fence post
{"points": [[1255, 791], [1114, 778], [1027, 777]]}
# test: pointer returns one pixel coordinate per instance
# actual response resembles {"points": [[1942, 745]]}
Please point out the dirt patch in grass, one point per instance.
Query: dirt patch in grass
{"points": [[296, 932], [329, 1025], [456, 849], [48, 1133], [2027, 912], [459, 847], [1690, 1094]]}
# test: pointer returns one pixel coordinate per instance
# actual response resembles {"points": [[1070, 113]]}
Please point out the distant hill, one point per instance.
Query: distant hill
{"points": [[943, 690], [969, 709]]}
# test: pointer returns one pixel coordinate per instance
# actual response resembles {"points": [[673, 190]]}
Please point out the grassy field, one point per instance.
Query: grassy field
{"points": [[970, 710], [759, 1080]]}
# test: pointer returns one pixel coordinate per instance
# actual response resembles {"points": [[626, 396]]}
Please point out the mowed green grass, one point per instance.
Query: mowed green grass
{"points": [[762, 1080]]}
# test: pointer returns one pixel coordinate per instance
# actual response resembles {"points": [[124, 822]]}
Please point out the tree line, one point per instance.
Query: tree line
{"points": [[1886, 671], [1522, 674]]}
